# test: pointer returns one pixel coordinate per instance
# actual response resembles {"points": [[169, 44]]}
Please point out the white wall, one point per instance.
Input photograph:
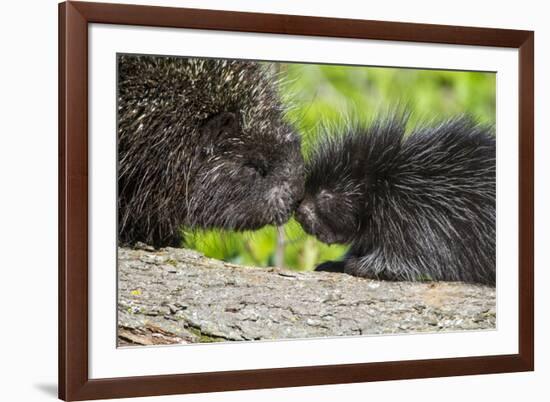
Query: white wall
{"points": [[28, 213]]}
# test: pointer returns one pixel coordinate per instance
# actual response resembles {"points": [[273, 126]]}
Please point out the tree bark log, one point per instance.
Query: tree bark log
{"points": [[179, 296]]}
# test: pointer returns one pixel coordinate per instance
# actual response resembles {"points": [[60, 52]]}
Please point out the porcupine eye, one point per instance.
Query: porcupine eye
{"points": [[325, 199], [329, 201], [220, 126], [258, 167]]}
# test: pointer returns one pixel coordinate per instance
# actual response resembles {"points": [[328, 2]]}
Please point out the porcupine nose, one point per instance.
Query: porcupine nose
{"points": [[299, 193], [304, 215], [296, 204]]}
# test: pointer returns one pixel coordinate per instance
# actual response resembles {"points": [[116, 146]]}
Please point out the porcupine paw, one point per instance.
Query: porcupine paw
{"points": [[331, 266]]}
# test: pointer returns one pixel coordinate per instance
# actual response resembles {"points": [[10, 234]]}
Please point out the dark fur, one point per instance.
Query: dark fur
{"points": [[202, 143], [411, 207]]}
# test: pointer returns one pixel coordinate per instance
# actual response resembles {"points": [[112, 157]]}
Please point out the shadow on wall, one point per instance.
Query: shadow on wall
{"points": [[47, 388]]}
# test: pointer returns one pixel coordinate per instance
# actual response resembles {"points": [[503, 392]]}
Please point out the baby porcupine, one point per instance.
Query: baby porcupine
{"points": [[202, 143], [411, 207]]}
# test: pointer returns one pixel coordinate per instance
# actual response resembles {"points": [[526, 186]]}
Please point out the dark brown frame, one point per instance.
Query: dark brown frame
{"points": [[74, 383]]}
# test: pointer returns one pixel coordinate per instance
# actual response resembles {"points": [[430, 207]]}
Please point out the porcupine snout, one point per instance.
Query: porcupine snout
{"points": [[306, 216]]}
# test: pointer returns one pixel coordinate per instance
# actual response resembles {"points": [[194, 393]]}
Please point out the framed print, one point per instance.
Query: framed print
{"points": [[259, 200]]}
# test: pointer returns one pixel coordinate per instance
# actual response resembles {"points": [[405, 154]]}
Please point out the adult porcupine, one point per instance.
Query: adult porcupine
{"points": [[201, 143], [411, 207]]}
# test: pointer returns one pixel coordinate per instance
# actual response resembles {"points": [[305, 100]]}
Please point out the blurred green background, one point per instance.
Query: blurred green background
{"points": [[327, 95]]}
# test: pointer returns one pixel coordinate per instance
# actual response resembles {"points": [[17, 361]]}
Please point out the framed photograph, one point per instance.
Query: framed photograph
{"points": [[261, 200]]}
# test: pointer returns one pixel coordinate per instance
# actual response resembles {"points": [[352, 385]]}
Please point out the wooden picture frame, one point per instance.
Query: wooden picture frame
{"points": [[74, 381]]}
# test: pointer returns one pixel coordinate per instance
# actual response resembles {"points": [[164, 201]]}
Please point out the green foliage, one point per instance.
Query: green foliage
{"points": [[326, 95], [302, 252], [330, 95]]}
